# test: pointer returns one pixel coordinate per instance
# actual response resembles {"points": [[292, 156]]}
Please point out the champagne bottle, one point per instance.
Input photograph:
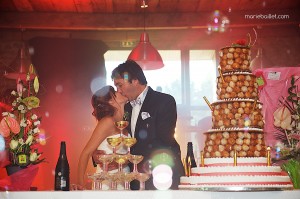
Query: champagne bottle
{"points": [[190, 155], [62, 170]]}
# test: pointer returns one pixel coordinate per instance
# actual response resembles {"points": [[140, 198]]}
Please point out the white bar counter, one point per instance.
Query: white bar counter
{"points": [[178, 194]]}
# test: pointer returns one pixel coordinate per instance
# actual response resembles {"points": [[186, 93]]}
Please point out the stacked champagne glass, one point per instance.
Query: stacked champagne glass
{"points": [[121, 159]]}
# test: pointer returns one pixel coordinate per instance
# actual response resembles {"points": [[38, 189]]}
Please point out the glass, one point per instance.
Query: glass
{"points": [[114, 179], [142, 177], [105, 159], [135, 159], [121, 159], [97, 179], [114, 142], [121, 125], [127, 178], [129, 142]]}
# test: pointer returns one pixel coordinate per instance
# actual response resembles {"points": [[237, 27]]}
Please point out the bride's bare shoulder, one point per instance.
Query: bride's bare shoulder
{"points": [[106, 122]]}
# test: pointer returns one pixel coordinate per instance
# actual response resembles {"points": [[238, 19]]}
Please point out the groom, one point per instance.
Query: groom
{"points": [[152, 123]]}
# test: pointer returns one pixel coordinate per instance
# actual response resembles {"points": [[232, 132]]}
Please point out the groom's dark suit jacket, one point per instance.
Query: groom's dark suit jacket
{"points": [[155, 136]]}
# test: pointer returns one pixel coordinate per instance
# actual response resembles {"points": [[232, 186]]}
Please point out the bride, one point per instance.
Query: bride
{"points": [[108, 108]]}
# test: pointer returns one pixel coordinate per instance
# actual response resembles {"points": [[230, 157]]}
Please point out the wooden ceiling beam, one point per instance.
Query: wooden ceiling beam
{"points": [[84, 21]]}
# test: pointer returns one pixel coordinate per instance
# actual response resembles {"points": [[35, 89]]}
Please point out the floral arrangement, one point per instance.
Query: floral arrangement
{"points": [[20, 127], [287, 122]]}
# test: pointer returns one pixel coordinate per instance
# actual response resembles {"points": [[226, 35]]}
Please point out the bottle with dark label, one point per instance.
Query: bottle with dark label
{"points": [[190, 155], [62, 170]]}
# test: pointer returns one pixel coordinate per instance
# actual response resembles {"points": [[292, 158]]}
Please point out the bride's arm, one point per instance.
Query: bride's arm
{"points": [[103, 129]]}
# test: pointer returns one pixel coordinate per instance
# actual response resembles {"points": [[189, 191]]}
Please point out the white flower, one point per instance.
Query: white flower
{"points": [[34, 117], [29, 140], [11, 115], [21, 107], [36, 123], [21, 141], [14, 93], [13, 144], [36, 130], [5, 114], [23, 123], [33, 157], [296, 117]]}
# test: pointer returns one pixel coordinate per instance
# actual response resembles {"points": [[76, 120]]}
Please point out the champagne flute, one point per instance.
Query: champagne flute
{"points": [[121, 125], [114, 142], [142, 177], [129, 142], [135, 159]]}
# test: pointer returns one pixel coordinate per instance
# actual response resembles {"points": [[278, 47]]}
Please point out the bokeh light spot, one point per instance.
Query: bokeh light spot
{"points": [[59, 88], [96, 84], [2, 143], [143, 134], [47, 114], [247, 122], [162, 157], [162, 177], [42, 137]]}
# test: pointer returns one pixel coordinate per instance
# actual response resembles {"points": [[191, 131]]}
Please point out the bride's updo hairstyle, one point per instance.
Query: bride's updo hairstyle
{"points": [[100, 102]]}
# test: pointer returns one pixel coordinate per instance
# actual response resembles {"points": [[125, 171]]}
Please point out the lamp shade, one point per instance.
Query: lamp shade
{"points": [[20, 65], [146, 55]]}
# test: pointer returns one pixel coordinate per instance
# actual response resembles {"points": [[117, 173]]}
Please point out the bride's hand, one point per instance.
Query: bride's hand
{"points": [[96, 154]]}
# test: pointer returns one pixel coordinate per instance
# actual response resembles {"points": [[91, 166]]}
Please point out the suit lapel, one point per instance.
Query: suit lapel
{"points": [[128, 108], [144, 108]]}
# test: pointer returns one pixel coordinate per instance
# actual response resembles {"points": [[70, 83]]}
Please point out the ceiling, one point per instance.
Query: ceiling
{"points": [[134, 6], [128, 14], [115, 21]]}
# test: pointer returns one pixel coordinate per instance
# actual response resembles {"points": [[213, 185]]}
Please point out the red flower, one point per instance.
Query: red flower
{"points": [[241, 42]]}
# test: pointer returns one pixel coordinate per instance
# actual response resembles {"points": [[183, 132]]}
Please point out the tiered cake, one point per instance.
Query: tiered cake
{"points": [[235, 152]]}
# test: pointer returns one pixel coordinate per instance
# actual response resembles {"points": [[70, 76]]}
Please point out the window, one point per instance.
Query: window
{"points": [[166, 79], [202, 83], [201, 80]]}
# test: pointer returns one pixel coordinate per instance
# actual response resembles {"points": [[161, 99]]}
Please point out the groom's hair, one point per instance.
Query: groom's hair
{"points": [[129, 70]]}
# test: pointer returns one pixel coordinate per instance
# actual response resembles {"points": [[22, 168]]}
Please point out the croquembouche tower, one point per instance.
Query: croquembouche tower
{"points": [[236, 116], [235, 154]]}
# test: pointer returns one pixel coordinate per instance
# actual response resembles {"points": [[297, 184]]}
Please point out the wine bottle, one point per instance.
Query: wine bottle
{"points": [[62, 170], [190, 155]]}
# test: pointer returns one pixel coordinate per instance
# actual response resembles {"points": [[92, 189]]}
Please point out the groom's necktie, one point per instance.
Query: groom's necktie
{"points": [[135, 102]]}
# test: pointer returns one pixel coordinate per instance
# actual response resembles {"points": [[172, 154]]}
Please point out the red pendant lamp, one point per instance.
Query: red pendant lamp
{"points": [[144, 53], [21, 65]]}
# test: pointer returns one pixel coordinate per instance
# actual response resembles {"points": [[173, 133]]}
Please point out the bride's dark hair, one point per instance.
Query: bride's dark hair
{"points": [[100, 102]]}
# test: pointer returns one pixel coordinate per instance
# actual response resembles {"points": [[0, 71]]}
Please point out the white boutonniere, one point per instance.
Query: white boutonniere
{"points": [[145, 115]]}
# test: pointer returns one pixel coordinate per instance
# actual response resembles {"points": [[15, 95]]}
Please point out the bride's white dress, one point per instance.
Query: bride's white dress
{"points": [[121, 149]]}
